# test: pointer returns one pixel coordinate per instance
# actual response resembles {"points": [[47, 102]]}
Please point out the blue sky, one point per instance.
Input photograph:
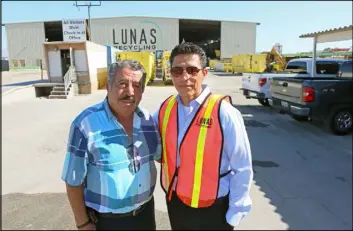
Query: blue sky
{"points": [[281, 22]]}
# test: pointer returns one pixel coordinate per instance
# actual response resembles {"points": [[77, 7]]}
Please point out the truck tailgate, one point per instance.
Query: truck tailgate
{"points": [[250, 81], [287, 89]]}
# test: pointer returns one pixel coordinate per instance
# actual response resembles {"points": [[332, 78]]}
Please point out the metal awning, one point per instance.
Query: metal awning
{"points": [[331, 35]]}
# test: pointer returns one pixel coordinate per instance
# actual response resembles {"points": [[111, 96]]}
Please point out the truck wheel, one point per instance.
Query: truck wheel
{"points": [[340, 120], [264, 102], [300, 118]]}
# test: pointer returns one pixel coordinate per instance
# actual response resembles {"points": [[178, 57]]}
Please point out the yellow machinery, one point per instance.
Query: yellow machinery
{"points": [[264, 62], [212, 63], [158, 63], [162, 66], [218, 54], [249, 63], [102, 74], [226, 64], [276, 59], [228, 67], [167, 79], [165, 57], [147, 59]]}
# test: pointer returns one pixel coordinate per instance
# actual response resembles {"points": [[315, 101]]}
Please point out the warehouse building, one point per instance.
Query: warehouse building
{"points": [[25, 40]]}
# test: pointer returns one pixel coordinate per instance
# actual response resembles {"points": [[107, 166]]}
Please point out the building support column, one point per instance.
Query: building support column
{"points": [[313, 66]]}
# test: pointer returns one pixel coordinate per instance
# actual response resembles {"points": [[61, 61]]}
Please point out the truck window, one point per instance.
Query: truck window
{"points": [[346, 67], [346, 70], [297, 66], [327, 68]]}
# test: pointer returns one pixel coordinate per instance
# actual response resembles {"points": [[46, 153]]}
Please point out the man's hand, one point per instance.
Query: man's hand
{"points": [[90, 226]]}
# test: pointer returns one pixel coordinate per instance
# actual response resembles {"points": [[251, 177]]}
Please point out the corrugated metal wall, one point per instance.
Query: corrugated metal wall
{"points": [[237, 38], [25, 42], [134, 33]]}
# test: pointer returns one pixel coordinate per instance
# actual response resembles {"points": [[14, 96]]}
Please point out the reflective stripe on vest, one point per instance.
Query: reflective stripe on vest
{"points": [[200, 152], [169, 112]]}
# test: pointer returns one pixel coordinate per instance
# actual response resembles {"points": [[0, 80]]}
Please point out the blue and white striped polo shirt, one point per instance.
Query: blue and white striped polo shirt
{"points": [[119, 176]]}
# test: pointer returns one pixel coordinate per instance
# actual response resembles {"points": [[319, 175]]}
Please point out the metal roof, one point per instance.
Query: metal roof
{"points": [[326, 54], [180, 18], [139, 16], [319, 59], [330, 31]]}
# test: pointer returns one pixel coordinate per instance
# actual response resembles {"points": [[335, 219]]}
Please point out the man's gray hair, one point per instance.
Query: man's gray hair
{"points": [[126, 63]]}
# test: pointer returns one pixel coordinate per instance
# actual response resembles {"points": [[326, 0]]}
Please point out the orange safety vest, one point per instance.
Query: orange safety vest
{"points": [[200, 152]]}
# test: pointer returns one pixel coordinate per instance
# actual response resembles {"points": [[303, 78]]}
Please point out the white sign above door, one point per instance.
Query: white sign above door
{"points": [[74, 30]]}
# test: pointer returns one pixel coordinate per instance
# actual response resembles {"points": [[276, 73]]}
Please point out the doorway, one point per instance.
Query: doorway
{"points": [[205, 33], [65, 61]]}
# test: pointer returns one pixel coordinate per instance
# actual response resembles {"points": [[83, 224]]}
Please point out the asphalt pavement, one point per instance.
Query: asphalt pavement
{"points": [[302, 180], [11, 80]]}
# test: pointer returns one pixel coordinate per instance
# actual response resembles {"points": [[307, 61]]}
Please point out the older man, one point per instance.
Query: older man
{"points": [[206, 169], [109, 168]]}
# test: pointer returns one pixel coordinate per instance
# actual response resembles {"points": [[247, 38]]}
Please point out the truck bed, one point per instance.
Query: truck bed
{"points": [[328, 92], [250, 80]]}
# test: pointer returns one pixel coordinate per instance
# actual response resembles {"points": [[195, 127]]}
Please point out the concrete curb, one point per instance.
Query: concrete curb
{"points": [[15, 89]]}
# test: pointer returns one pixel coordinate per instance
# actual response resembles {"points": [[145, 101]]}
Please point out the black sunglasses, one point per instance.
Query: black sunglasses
{"points": [[135, 163], [178, 71]]}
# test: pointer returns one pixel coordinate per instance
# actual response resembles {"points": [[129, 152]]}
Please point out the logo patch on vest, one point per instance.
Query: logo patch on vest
{"points": [[204, 122]]}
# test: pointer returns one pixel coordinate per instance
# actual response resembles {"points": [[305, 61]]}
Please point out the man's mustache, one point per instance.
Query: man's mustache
{"points": [[127, 97]]}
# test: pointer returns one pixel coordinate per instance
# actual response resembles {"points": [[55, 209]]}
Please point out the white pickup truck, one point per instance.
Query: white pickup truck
{"points": [[257, 85]]}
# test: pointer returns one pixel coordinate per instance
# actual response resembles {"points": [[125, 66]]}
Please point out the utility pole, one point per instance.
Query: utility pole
{"points": [[88, 5]]}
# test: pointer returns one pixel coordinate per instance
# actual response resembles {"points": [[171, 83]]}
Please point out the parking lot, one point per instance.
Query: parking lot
{"points": [[302, 180], [22, 78]]}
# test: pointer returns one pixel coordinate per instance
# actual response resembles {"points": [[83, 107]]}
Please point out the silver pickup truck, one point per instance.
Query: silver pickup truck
{"points": [[257, 85]]}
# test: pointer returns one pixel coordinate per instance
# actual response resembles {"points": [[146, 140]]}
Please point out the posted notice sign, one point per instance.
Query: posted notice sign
{"points": [[74, 30]]}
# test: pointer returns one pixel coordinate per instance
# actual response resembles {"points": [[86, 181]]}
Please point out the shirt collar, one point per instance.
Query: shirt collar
{"points": [[110, 113], [204, 93]]}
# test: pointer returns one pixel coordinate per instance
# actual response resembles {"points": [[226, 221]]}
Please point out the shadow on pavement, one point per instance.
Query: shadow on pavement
{"points": [[313, 126], [309, 185], [158, 83], [48, 211], [249, 109], [224, 74], [19, 84]]}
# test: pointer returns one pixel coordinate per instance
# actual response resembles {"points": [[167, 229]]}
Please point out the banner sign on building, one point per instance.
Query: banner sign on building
{"points": [[143, 36], [74, 30]]}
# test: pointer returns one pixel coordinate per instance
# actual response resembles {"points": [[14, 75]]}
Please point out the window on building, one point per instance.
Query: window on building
{"points": [[14, 63], [22, 63]]}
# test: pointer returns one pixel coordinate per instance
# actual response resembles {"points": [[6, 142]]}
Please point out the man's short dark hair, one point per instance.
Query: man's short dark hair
{"points": [[188, 48]]}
